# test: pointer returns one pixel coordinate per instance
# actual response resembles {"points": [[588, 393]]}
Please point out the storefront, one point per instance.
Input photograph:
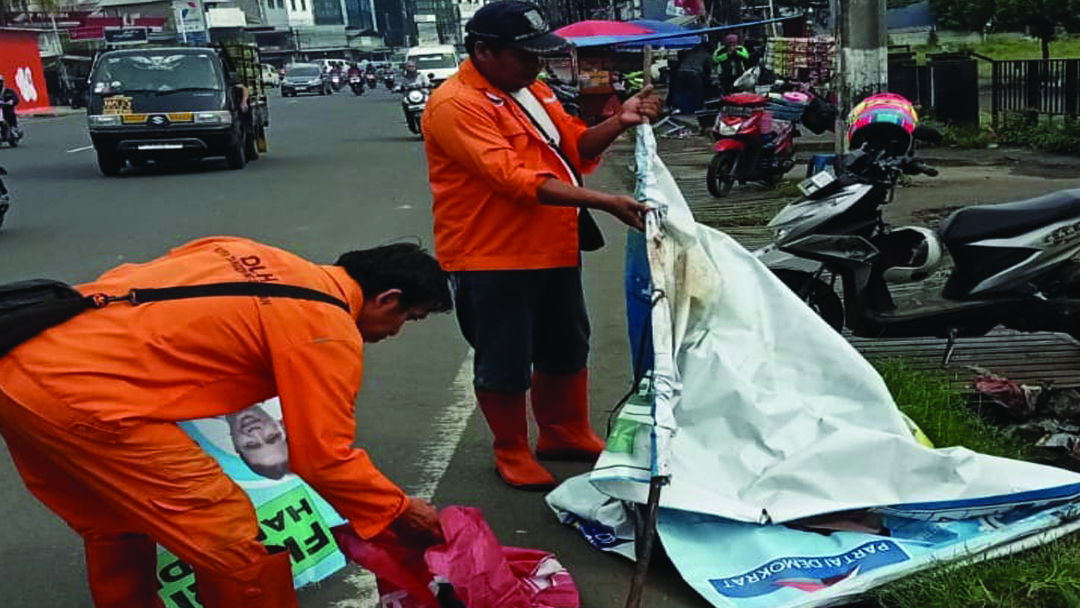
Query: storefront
{"points": [[20, 63]]}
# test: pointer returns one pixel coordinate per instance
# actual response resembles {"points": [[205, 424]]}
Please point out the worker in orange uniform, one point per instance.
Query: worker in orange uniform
{"points": [[505, 163], [89, 410]]}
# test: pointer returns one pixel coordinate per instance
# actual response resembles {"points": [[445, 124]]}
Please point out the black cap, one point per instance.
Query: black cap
{"points": [[516, 24]]}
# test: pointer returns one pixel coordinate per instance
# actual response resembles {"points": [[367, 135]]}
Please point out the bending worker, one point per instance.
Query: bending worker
{"points": [[504, 163], [89, 409]]}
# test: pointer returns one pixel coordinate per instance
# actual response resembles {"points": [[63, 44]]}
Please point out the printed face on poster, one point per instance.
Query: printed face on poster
{"points": [[252, 448]]}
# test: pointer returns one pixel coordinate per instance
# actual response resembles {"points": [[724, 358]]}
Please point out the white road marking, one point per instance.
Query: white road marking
{"points": [[449, 427], [82, 149], [434, 459]]}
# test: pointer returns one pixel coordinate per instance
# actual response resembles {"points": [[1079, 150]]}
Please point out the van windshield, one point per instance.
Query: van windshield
{"points": [[156, 73], [435, 61]]}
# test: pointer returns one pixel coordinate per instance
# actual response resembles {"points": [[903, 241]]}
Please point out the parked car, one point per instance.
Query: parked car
{"points": [[270, 76], [305, 78]]}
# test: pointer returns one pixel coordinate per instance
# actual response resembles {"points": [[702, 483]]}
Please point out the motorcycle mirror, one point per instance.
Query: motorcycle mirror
{"points": [[928, 134]]}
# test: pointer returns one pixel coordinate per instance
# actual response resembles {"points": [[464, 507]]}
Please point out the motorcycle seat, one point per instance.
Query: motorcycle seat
{"points": [[1010, 219]]}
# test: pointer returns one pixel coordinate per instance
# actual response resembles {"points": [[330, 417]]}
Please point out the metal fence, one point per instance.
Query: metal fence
{"points": [[1042, 86]]}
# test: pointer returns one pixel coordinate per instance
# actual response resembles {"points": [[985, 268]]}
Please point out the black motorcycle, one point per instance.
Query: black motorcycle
{"points": [[388, 80], [5, 200], [413, 101], [1013, 262], [356, 83], [371, 80], [9, 134]]}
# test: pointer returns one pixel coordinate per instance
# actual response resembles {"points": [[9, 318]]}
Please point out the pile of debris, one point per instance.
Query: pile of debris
{"points": [[1046, 417]]}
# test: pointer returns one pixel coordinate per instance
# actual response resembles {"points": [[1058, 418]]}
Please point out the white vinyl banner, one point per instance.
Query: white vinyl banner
{"points": [[762, 415]]}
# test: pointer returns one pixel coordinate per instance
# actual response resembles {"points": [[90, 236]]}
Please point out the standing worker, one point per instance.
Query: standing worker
{"points": [[505, 161], [731, 60], [89, 410]]}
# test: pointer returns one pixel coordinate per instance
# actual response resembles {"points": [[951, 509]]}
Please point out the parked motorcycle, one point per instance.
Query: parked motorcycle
{"points": [[5, 199], [413, 101], [9, 134], [568, 95], [356, 83], [1013, 262], [750, 146]]}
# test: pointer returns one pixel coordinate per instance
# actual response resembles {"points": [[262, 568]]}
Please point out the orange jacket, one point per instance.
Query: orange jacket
{"points": [[485, 162], [185, 359]]}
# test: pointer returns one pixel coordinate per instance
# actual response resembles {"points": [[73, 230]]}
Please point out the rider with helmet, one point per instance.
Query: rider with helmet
{"points": [[412, 78]]}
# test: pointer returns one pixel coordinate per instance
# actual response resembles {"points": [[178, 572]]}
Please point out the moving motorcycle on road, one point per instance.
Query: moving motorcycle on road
{"points": [[371, 80], [356, 83], [1013, 262], [413, 101], [335, 81], [8, 133]]}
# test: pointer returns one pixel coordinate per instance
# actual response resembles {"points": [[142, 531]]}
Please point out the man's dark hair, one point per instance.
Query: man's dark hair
{"points": [[404, 266], [269, 471], [472, 39]]}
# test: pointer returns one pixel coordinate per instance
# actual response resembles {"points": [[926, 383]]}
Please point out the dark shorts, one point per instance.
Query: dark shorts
{"points": [[516, 320]]}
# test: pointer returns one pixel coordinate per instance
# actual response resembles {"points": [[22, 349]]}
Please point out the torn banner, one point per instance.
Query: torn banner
{"points": [[763, 416]]}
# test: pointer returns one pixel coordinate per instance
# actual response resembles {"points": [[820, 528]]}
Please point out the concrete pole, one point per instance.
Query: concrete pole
{"points": [[863, 44]]}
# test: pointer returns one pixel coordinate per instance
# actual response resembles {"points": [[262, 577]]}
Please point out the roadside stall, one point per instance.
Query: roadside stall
{"points": [[603, 52]]}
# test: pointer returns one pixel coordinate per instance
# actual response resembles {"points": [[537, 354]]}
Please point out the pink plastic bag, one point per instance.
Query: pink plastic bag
{"points": [[482, 572]]}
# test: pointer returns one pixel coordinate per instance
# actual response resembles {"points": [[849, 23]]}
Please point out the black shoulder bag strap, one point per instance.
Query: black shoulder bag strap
{"points": [[245, 288], [589, 236]]}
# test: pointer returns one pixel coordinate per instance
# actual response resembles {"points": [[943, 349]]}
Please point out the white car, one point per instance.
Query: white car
{"points": [[270, 76]]}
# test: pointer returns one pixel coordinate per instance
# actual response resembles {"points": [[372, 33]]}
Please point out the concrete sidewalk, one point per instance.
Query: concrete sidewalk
{"points": [[50, 112]]}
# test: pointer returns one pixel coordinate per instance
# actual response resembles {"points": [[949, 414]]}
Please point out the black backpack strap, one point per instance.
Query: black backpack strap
{"points": [[274, 290]]}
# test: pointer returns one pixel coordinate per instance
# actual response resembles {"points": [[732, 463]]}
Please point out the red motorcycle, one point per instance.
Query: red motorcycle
{"points": [[752, 145]]}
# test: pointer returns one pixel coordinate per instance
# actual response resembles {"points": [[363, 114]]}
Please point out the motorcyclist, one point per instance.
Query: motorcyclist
{"points": [[413, 78], [354, 70], [9, 99]]}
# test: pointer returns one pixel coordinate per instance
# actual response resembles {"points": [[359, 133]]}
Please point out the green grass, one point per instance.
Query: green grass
{"points": [[1004, 47], [1009, 46], [942, 411], [1045, 577]]}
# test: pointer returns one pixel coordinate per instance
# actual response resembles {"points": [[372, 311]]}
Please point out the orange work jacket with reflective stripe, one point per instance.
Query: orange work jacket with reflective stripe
{"points": [[486, 160], [185, 359]]}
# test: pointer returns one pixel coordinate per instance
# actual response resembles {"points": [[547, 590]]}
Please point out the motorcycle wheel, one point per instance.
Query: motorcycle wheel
{"points": [[3, 211], [414, 123], [721, 175], [816, 294]]}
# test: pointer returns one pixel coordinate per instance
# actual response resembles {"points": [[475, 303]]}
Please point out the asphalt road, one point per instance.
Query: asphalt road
{"points": [[342, 173]]}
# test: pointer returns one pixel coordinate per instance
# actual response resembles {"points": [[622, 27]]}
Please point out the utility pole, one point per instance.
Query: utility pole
{"points": [[864, 47]]}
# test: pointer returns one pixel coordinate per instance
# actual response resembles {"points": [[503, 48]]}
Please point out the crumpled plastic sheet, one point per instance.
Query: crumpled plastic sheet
{"points": [[471, 570]]}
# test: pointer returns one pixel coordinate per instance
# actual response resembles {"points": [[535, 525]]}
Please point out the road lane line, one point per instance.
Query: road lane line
{"points": [[82, 149], [434, 459], [449, 427]]}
